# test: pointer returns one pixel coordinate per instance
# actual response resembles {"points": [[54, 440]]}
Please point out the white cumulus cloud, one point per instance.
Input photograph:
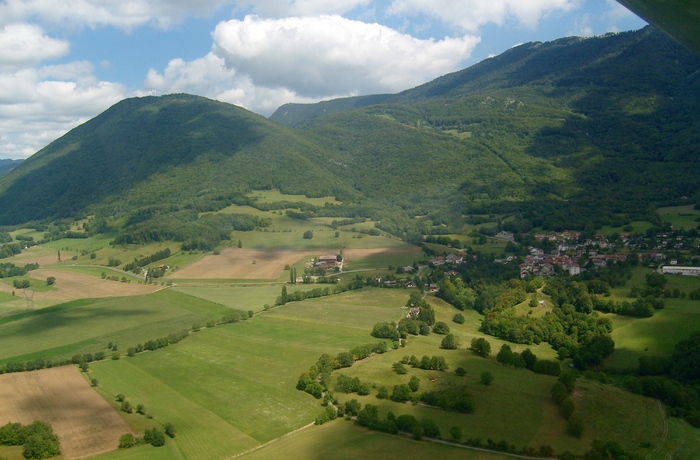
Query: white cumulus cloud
{"points": [[24, 44], [471, 15], [330, 55], [95, 13], [39, 105]]}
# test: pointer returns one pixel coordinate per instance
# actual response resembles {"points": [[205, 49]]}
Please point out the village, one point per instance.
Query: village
{"points": [[572, 254]]}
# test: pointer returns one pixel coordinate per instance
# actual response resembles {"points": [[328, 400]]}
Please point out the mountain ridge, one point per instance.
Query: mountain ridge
{"points": [[573, 132]]}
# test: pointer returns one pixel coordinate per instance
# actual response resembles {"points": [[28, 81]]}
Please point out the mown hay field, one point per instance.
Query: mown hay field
{"points": [[344, 439], [88, 326], [85, 423], [241, 377]]}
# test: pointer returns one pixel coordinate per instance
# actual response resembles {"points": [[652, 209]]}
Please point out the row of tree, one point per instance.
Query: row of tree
{"points": [[8, 270]]}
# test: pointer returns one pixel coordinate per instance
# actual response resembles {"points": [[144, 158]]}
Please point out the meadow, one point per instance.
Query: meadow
{"points": [[244, 392], [230, 389], [516, 407], [344, 439], [657, 335], [88, 326]]}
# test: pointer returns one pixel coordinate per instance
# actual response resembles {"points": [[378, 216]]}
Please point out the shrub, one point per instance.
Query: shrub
{"points": [[486, 378], [458, 318], [575, 427], [154, 437], [126, 441], [441, 328], [450, 342]]}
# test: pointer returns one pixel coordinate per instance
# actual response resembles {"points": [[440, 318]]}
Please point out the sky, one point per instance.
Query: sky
{"points": [[62, 63]]}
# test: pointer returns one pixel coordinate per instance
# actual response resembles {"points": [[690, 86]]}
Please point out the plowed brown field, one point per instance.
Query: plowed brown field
{"points": [[85, 423], [237, 263]]}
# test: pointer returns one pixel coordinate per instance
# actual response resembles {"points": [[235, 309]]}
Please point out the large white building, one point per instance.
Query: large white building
{"points": [[678, 270]]}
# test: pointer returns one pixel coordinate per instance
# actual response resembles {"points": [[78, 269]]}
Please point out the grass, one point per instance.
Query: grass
{"points": [[201, 433], [246, 372], [637, 337], [685, 217], [250, 297], [273, 196], [88, 326], [344, 439], [395, 255]]}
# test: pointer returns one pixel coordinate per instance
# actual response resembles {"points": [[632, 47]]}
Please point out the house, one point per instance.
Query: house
{"points": [[574, 269], [437, 260], [433, 288]]}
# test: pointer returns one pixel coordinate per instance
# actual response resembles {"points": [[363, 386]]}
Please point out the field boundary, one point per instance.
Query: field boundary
{"points": [[271, 441], [663, 438]]}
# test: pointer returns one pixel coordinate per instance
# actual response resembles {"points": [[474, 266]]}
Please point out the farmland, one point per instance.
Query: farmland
{"points": [[86, 424], [230, 388]]}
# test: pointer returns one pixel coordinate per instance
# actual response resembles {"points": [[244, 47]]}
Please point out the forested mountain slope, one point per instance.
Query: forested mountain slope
{"points": [[8, 165], [579, 130], [172, 150], [573, 133]]}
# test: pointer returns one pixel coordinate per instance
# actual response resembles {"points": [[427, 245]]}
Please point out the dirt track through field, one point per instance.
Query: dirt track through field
{"points": [[85, 423]]}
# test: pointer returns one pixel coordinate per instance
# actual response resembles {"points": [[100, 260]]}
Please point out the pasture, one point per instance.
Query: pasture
{"points": [[685, 217], [247, 297], [87, 326], [85, 423], [516, 407], [637, 337], [344, 439], [245, 372], [273, 196]]}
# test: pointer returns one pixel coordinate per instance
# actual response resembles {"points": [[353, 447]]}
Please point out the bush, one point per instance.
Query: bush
{"points": [[458, 318], [126, 407], [441, 328], [450, 342], [481, 347], [486, 378], [154, 437], [401, 393], [575, 427], [414, 383], [126, 441]]}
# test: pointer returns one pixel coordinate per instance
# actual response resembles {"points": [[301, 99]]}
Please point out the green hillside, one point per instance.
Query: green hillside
{"points": [[8, 165], [566, 134], [174, 150], [576, 133]]}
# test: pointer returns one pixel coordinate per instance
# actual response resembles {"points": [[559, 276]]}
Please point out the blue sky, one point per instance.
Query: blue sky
{"points": [[62, 65]]}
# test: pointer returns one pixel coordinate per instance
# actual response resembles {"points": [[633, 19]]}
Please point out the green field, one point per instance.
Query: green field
{"points": [[637, 337], [343, 439], [273, 196], [233, 387], [516, 407], [87, 326], [249, 297], [685, 217]]}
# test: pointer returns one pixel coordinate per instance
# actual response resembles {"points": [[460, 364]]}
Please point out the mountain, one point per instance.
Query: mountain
{"points": [[574, 133], [8, 165], [579, 131], [177, 149]]}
